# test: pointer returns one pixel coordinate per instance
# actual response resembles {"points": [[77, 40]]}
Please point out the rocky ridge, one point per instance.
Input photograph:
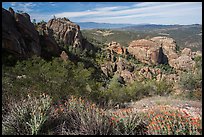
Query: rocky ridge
{"points": [[19, 35], [22, 38]]}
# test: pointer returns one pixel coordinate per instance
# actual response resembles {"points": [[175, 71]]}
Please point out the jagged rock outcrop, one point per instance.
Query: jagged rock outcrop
{"points": [[147, 51], [149, 73], [168, 45], [115, 47], [19, 36], [22, 38], [187, 52], [108, 68], [120, 67], [159, 50], [66, 32], [49, 45], [182, 63]]}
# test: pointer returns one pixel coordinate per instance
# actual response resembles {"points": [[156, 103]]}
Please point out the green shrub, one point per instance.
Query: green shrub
{"points": [[55, 77], [190, 80], [118, 93], [26, 116]]}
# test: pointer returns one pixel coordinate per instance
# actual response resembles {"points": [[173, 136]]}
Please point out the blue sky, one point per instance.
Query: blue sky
{"points": [[114, 12]]}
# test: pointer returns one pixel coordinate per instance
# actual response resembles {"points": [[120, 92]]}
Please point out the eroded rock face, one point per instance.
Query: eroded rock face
{"points": [[160, 50], [147, 51], [148, 72], [120, 67], [183, 63], [49, 45], [108, 68], [168, 45], [116, 47], [19, 35], [66, 31], [187, 52]]}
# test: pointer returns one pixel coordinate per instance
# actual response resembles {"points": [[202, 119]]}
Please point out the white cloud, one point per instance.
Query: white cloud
{"points": [[25, 6], [111, 11], [13, 3], [148, 4], [110, 8], [52, 3], [168, 12], [145, 12]]}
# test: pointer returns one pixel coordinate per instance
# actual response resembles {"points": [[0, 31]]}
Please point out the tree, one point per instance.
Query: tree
{"points": [[20, 11], [34, 21]]}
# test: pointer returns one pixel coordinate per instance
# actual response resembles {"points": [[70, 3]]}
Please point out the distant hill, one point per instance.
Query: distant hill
{"points": [[157, 27], [185, 35], [94, 25]]}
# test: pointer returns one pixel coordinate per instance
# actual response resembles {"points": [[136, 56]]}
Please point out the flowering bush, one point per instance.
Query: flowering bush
{"points": [[166, 121], [84, 117]]}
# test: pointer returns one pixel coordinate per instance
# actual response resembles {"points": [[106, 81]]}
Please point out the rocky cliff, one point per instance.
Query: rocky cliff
{"points": [[19, 35], [22, 38], [162, 50], [147, 51], [66, 31]]}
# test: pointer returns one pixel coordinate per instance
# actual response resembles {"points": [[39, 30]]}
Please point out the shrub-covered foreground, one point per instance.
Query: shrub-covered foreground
{"points": [[59, 79], [76, 116], [72, 116]]}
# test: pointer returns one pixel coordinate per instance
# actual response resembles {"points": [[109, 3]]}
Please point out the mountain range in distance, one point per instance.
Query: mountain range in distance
{"points": [[94, 25]]}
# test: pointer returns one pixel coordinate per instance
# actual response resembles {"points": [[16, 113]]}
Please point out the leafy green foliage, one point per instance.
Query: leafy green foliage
{"points": [[55, 77], [118, 93]]}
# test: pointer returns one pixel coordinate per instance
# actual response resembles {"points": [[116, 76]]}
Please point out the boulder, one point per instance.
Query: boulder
{"points": [[64, 56]]}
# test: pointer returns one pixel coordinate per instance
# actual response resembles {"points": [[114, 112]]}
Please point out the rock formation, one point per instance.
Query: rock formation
{"points": [[159, 50], [19, 36], [182, 63], [120, 67], [66, 31], [149, 73], [116, 47], [49, 45], [147, 51], [168, 45], [22, 38]]}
